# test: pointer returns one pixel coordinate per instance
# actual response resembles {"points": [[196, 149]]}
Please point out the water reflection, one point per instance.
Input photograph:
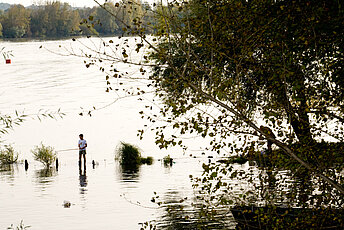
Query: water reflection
{"points": [[32, 89], [7, 173], [286, 187], [6, 169], [82, 179], [130, 173], [179, 213], [303, 188], [267, 187], [45, 177]]}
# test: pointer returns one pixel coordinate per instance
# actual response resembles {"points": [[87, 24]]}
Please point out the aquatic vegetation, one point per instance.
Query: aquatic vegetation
{"points": [[147, 160], [167, 160], [67, 204], [21, 226], [234, 160], [44, 154], [130, 155], [8, 156]]}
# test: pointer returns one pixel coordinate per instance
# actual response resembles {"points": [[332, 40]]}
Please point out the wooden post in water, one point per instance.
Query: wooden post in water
{"points": [[57, 164], [26, 165], [93, 163]]}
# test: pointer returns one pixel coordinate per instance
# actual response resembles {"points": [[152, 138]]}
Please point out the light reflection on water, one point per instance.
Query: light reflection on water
{"points": [[103, 196]]}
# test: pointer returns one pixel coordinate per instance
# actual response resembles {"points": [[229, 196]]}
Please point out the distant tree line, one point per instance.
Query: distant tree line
{"points": [[57, 19]]}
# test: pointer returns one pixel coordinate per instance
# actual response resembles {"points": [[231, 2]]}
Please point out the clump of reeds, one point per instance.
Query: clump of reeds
{"points": [[8, 155], [44, 154], [130, 155]]}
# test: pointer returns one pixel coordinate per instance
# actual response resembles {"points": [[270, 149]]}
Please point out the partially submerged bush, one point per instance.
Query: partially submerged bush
{"points": [[8, 156], [130, 155], [168, 160], [147, 160], [44, 154], [234, 160]]}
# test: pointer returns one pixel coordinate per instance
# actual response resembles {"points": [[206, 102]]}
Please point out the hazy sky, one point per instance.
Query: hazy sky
{"points": [[80, 3]]}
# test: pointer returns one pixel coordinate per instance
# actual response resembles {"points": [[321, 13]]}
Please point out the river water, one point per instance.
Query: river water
{"points": [[102, 197]]}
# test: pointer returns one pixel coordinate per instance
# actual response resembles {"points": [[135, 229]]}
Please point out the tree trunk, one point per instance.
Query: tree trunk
{"points": [[302, 127], [298, 116]]}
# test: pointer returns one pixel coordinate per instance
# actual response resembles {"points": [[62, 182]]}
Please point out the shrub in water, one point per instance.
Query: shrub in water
{"points": [[8, 156], [167, 160], [147, 160], [44, 154], [128, 155]]}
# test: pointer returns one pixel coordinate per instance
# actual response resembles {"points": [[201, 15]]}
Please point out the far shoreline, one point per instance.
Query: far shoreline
{"points": [[41, 39]]}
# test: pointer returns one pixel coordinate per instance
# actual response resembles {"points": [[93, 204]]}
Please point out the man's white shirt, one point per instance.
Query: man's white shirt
{"points": [[82, 144]]}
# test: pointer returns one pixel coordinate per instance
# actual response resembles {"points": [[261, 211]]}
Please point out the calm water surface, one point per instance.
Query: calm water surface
{"points": [[103, 197]]}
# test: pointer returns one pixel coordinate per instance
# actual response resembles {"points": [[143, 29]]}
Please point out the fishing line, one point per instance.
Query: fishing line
{"points": [[65, 150]]}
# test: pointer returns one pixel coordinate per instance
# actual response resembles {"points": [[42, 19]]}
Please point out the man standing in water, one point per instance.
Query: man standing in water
{"points": [[82, 149]]}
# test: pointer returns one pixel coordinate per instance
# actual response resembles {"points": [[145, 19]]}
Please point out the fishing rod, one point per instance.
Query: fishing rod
{"points": [[56, 161], [65, 150]]}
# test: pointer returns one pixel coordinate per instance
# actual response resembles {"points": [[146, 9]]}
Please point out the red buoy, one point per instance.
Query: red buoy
{"points": [[8, 61]]}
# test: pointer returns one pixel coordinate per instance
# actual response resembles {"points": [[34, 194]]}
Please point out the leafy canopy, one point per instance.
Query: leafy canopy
{"points": [[241, 71]]}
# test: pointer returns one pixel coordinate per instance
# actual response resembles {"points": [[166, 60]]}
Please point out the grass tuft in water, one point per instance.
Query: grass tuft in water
{"points": [[21, 226], [44, 154], [8, 156]]}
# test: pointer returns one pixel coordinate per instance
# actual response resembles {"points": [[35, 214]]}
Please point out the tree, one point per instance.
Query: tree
{"points": [[85, 14], [257, 66], [117, 18], [39, 21], [68, 21], [55, 20], [274, 61], [0, 30], [107, 24], [253, 58], [74, 22], [16, 22]]}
